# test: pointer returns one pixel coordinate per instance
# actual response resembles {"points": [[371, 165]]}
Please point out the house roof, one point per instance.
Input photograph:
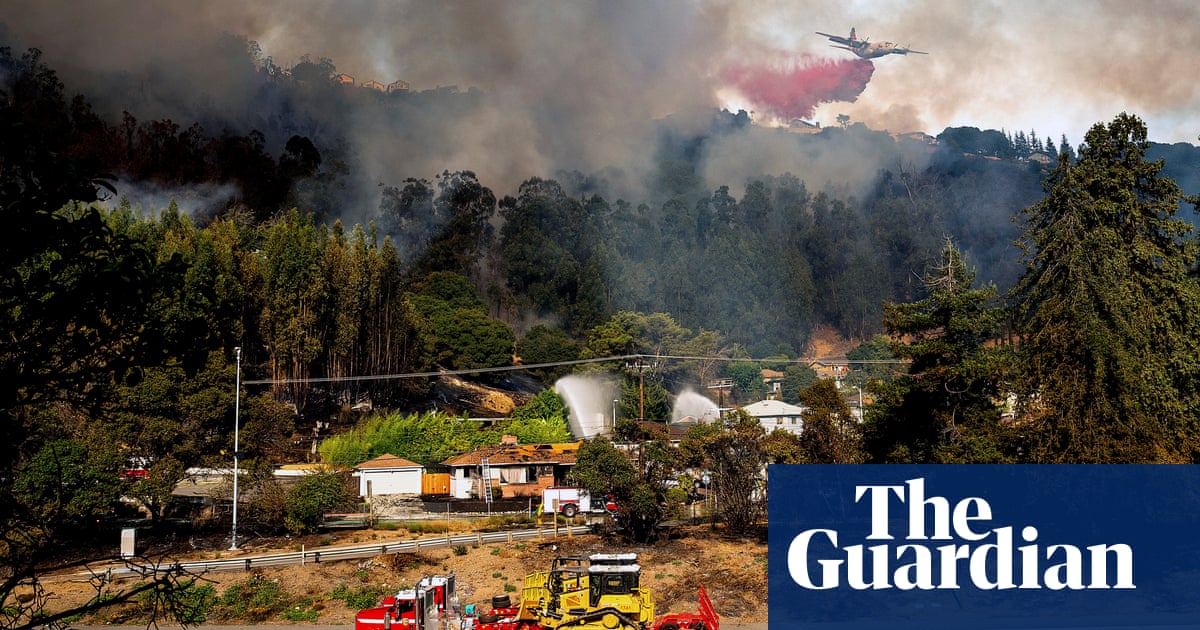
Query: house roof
{"points": [[387, 460], [562, 453], [675, 432], [772, 408]]}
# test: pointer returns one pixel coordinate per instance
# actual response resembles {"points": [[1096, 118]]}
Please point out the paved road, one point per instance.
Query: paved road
{"points": [[331, 553]]}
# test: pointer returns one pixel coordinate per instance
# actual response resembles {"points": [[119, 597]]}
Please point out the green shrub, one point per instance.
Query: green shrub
{"points": [[460, 550], [194, 604], [300, 614], [360, 598], [301, 611], [255, 600], [312, 496], [509, 588]]}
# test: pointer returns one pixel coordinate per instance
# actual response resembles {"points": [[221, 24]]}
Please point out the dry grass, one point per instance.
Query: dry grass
{"points": [[733, 571]]}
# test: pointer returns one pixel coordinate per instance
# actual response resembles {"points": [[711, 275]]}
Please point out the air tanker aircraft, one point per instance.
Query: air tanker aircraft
{"points": [[865, 49]]}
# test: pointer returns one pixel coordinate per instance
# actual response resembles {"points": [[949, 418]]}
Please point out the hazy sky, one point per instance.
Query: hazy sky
{"points": [[1053, 66], [574, 84]]}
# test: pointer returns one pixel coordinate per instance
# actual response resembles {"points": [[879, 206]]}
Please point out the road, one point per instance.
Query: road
{"points": [[333, 553]]}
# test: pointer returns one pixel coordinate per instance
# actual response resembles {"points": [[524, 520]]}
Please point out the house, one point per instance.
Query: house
{"points": [[288, 474], [518, 470], [773, 379], [343, 79], [836, 369], [776, 414], [373, 85], [397, 86], [388, 474], [673, 432]]}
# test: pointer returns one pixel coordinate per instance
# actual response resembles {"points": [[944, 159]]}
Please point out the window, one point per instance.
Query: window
{"points": [[512, 475]]}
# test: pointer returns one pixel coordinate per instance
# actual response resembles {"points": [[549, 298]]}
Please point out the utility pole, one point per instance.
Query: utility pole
{"points": [[237, 399], [641, 366]]}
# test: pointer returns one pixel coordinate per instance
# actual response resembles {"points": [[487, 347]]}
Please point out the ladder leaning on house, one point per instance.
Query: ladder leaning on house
{"points": [[486, 480]]}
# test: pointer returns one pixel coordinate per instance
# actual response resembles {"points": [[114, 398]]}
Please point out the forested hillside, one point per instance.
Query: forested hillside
{"points": [[1026, 300], [276, 248]]}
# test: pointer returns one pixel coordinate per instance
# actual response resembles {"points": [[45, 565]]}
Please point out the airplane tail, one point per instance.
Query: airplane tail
{"points": [[852, 35]]}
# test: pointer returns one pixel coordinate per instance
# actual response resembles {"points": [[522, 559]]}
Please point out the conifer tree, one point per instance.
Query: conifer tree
{"points": [[945, 408], [1110, 342]]}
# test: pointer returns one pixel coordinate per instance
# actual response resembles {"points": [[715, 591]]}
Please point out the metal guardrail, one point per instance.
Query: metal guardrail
{"points": [[351, 552]]}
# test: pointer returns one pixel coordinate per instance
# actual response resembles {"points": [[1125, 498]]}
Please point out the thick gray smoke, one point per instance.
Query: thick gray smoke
{"points": [[577, 86]]}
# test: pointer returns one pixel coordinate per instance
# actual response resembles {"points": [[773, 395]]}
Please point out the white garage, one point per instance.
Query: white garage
{"points": [[388, 474]]}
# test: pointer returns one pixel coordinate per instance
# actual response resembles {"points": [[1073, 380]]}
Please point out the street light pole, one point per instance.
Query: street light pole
{"points": [[614, 418], [237, 400]]}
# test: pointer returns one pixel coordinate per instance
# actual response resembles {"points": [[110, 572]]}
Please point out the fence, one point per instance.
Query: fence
{"points": [[355, 552]]}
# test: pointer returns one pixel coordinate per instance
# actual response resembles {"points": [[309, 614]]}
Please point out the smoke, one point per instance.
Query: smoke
{"points": [[585, 86], [794, 87], [201, 200], [546, 87]]}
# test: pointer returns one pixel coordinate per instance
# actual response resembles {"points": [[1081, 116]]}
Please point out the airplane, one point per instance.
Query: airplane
{"points": [[865, 49]]}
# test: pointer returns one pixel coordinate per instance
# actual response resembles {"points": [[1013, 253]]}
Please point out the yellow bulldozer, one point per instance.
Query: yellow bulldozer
{"points": [[600, 592]]}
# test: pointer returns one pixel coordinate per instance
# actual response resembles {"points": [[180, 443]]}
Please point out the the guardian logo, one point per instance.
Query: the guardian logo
{"points": [[949, 546]]}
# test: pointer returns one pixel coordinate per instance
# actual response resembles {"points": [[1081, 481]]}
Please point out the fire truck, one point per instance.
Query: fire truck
{"points": [[422, 607], [596, 592], [572, 501]]}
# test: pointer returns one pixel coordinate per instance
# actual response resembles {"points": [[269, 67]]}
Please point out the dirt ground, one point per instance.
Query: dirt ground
{"points": [[734, 572]]}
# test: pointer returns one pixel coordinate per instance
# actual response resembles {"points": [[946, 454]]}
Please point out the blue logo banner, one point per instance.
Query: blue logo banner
{"points": [[980, 546]]}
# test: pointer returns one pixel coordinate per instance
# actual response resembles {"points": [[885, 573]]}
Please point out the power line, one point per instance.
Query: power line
{"points": [[532, 366], [386, 377]]}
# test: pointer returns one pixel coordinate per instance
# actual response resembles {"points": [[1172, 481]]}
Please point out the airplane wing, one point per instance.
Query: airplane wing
{"points": [[837, 38], [915, 52]]}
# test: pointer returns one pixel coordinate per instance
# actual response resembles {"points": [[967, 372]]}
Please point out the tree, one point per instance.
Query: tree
{"points": [[1064, 148], [944, 409], [796, 378], [312, 497], [876, 363], [292, 290], [747, 380], [831, 434], [602, 469], [644, 397], [736, 456], [467, 207], [543, 344], [464, 338], [783, 447], [409, 215], [1110, 341], [75, 299], [543, 420]]}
